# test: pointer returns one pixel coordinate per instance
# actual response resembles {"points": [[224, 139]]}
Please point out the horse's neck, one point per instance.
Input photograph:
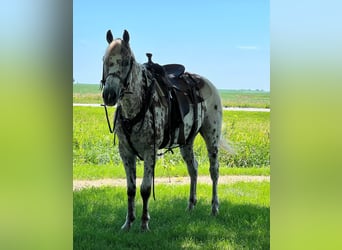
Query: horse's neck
{"points": [[131, 102]]}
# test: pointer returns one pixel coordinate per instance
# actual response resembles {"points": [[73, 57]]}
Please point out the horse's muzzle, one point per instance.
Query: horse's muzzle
{"points": [[109, 97]]}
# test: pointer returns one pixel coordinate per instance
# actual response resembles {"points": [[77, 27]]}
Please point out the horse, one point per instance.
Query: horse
{"points": [[143, 125]]}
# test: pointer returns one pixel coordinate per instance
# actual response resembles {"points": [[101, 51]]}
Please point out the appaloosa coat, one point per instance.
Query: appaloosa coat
{"points": [[142, 117]]}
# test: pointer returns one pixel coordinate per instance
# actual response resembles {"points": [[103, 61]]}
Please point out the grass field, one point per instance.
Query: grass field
{"points": [[95, 156], [243, 221], [87, 93], [90, 93], [245, 98]]}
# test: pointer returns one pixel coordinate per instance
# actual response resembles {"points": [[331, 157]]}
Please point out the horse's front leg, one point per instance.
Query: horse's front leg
{"points": [[129, 162], [145, 190]]}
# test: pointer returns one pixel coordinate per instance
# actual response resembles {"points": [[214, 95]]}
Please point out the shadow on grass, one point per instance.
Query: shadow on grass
{"points": [[99, 214]]}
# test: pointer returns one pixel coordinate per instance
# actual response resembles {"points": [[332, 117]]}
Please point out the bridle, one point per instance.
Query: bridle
{"points": [[122, 92], [125, 83]]}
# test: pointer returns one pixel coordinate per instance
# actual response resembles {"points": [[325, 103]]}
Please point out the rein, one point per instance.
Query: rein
{"points": [[110, 128]]}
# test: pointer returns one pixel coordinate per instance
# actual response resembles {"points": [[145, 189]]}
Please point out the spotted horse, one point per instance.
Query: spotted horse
{"points": [[158, 107]]}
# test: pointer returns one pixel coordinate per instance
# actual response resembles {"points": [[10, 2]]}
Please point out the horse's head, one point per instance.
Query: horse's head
{"points": [[117, 65]]}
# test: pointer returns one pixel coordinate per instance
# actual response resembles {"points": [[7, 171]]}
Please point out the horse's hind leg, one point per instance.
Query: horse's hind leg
{"points": [[211, 133], [189, 158]]}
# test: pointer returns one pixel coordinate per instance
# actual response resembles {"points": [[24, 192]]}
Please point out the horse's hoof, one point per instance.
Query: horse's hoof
{"points": [[214, 211], [127, 226], [145, 227], [190, 207]]}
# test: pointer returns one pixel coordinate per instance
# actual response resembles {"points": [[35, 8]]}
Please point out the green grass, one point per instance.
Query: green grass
{"points": [[243, 221], [245, 98], [87, 93], [95, 155], [90, 93], [84, 88], [93, 172]]}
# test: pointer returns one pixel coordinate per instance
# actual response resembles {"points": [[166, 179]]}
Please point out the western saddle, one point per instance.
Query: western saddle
{"points": [[179, 91]]}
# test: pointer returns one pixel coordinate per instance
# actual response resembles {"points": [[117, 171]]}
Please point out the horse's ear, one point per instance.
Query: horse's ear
{"points": [[126, 36], [109, 36]]}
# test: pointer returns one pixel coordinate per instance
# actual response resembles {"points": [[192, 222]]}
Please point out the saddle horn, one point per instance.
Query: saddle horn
{"points": [[149, 56]]}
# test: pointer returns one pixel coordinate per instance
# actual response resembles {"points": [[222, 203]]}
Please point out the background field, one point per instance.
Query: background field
{"points": [[95, 156], [90, 93]]}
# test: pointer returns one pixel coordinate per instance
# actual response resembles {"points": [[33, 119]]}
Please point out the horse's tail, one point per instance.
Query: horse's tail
{"points": [[226, 145]]}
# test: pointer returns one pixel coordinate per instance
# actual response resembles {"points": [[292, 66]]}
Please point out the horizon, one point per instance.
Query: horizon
{"points": [[219, 89]]}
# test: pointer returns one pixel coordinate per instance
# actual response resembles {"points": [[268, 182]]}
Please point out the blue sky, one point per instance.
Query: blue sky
{"points": [[224, 40]]}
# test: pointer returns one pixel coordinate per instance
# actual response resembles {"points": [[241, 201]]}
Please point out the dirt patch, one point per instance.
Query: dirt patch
{"points": [[80, 184]]}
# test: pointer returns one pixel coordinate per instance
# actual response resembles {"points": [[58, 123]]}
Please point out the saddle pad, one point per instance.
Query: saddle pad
{"points": [[205, 90]]}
